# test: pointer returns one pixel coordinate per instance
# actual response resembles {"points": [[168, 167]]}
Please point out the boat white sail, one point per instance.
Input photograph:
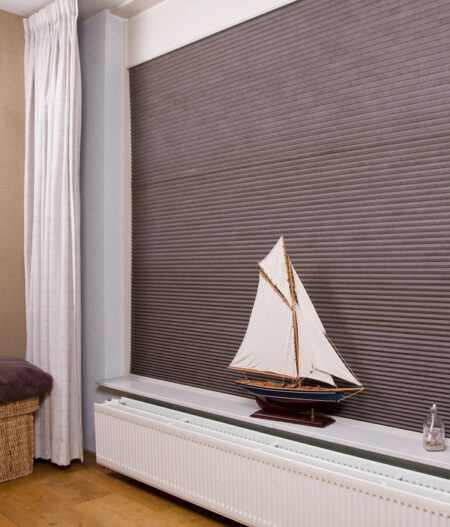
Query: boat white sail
{"points": [[318, 358], [314, 344], [303, 298], [274, 266], [270, 346]]}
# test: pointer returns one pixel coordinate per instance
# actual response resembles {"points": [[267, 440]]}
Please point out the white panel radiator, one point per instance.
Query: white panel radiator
{"points": [[261, 480]]}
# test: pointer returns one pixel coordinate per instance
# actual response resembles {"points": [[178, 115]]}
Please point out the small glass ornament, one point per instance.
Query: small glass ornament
{"points": [[433, 431]]}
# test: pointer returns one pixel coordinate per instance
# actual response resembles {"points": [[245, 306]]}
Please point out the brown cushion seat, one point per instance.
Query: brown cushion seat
{"points": [[20, 380]]}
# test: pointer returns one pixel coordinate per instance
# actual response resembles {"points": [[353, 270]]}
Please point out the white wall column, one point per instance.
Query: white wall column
{"points": [[103, 182]]}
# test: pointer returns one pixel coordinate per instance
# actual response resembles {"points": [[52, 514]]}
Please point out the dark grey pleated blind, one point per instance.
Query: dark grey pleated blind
{"points": [[326, 121]]}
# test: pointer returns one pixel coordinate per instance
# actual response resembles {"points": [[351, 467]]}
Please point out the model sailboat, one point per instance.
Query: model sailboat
{"points": [[285, 339]]}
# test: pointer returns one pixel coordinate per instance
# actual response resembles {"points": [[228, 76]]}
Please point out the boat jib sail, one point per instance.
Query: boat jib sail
{"points": [[285, 336]]}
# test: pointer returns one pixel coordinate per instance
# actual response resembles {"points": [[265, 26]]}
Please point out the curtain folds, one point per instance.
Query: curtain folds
{"points": [[52, 224]]}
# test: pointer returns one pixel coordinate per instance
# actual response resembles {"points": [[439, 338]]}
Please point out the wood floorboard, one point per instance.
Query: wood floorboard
{"points": [[88, 495]]}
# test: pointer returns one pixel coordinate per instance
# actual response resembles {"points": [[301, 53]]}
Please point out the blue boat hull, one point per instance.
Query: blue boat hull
{"points": [[291, 401]]}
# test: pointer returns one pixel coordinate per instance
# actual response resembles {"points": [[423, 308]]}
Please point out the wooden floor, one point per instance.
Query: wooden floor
{"points": [[87, 495]]}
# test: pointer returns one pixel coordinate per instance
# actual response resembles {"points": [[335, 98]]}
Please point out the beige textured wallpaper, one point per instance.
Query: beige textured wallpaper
{"points": [[12, 147]]}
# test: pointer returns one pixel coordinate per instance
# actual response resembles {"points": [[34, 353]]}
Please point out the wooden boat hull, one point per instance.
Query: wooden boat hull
{"points": [[292, 397], [283, 404]]}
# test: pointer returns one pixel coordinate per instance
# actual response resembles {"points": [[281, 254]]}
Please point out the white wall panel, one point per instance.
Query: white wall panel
{"points": [[175, 23]]}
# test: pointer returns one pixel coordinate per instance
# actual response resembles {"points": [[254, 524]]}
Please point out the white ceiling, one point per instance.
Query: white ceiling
{"points": [[86, 7]]}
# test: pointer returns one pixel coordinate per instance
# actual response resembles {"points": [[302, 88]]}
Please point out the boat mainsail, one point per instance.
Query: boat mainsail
{"points": [[285, 336]]}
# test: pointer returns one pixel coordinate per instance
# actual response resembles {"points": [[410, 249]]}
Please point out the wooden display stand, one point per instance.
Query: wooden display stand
{"points": [[312, 419]]}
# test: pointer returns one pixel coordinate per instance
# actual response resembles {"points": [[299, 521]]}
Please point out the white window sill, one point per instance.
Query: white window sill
{"points": [[371, 438]]}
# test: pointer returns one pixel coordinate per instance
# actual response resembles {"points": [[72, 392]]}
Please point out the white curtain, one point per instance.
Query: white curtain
{"points": [[52, 223]]}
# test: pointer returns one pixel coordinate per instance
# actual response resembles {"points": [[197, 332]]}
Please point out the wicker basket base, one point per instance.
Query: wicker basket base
{"points": [[17, 438]]}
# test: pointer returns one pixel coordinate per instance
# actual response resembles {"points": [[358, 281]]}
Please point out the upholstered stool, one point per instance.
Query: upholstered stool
{"points": [[21, 383]]}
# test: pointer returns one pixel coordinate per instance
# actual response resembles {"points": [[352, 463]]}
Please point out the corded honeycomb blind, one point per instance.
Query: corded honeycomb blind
{"points": [[325, 121]]}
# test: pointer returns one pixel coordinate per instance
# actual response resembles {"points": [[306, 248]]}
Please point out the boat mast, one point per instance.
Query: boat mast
{"points": [[294, 315]]}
